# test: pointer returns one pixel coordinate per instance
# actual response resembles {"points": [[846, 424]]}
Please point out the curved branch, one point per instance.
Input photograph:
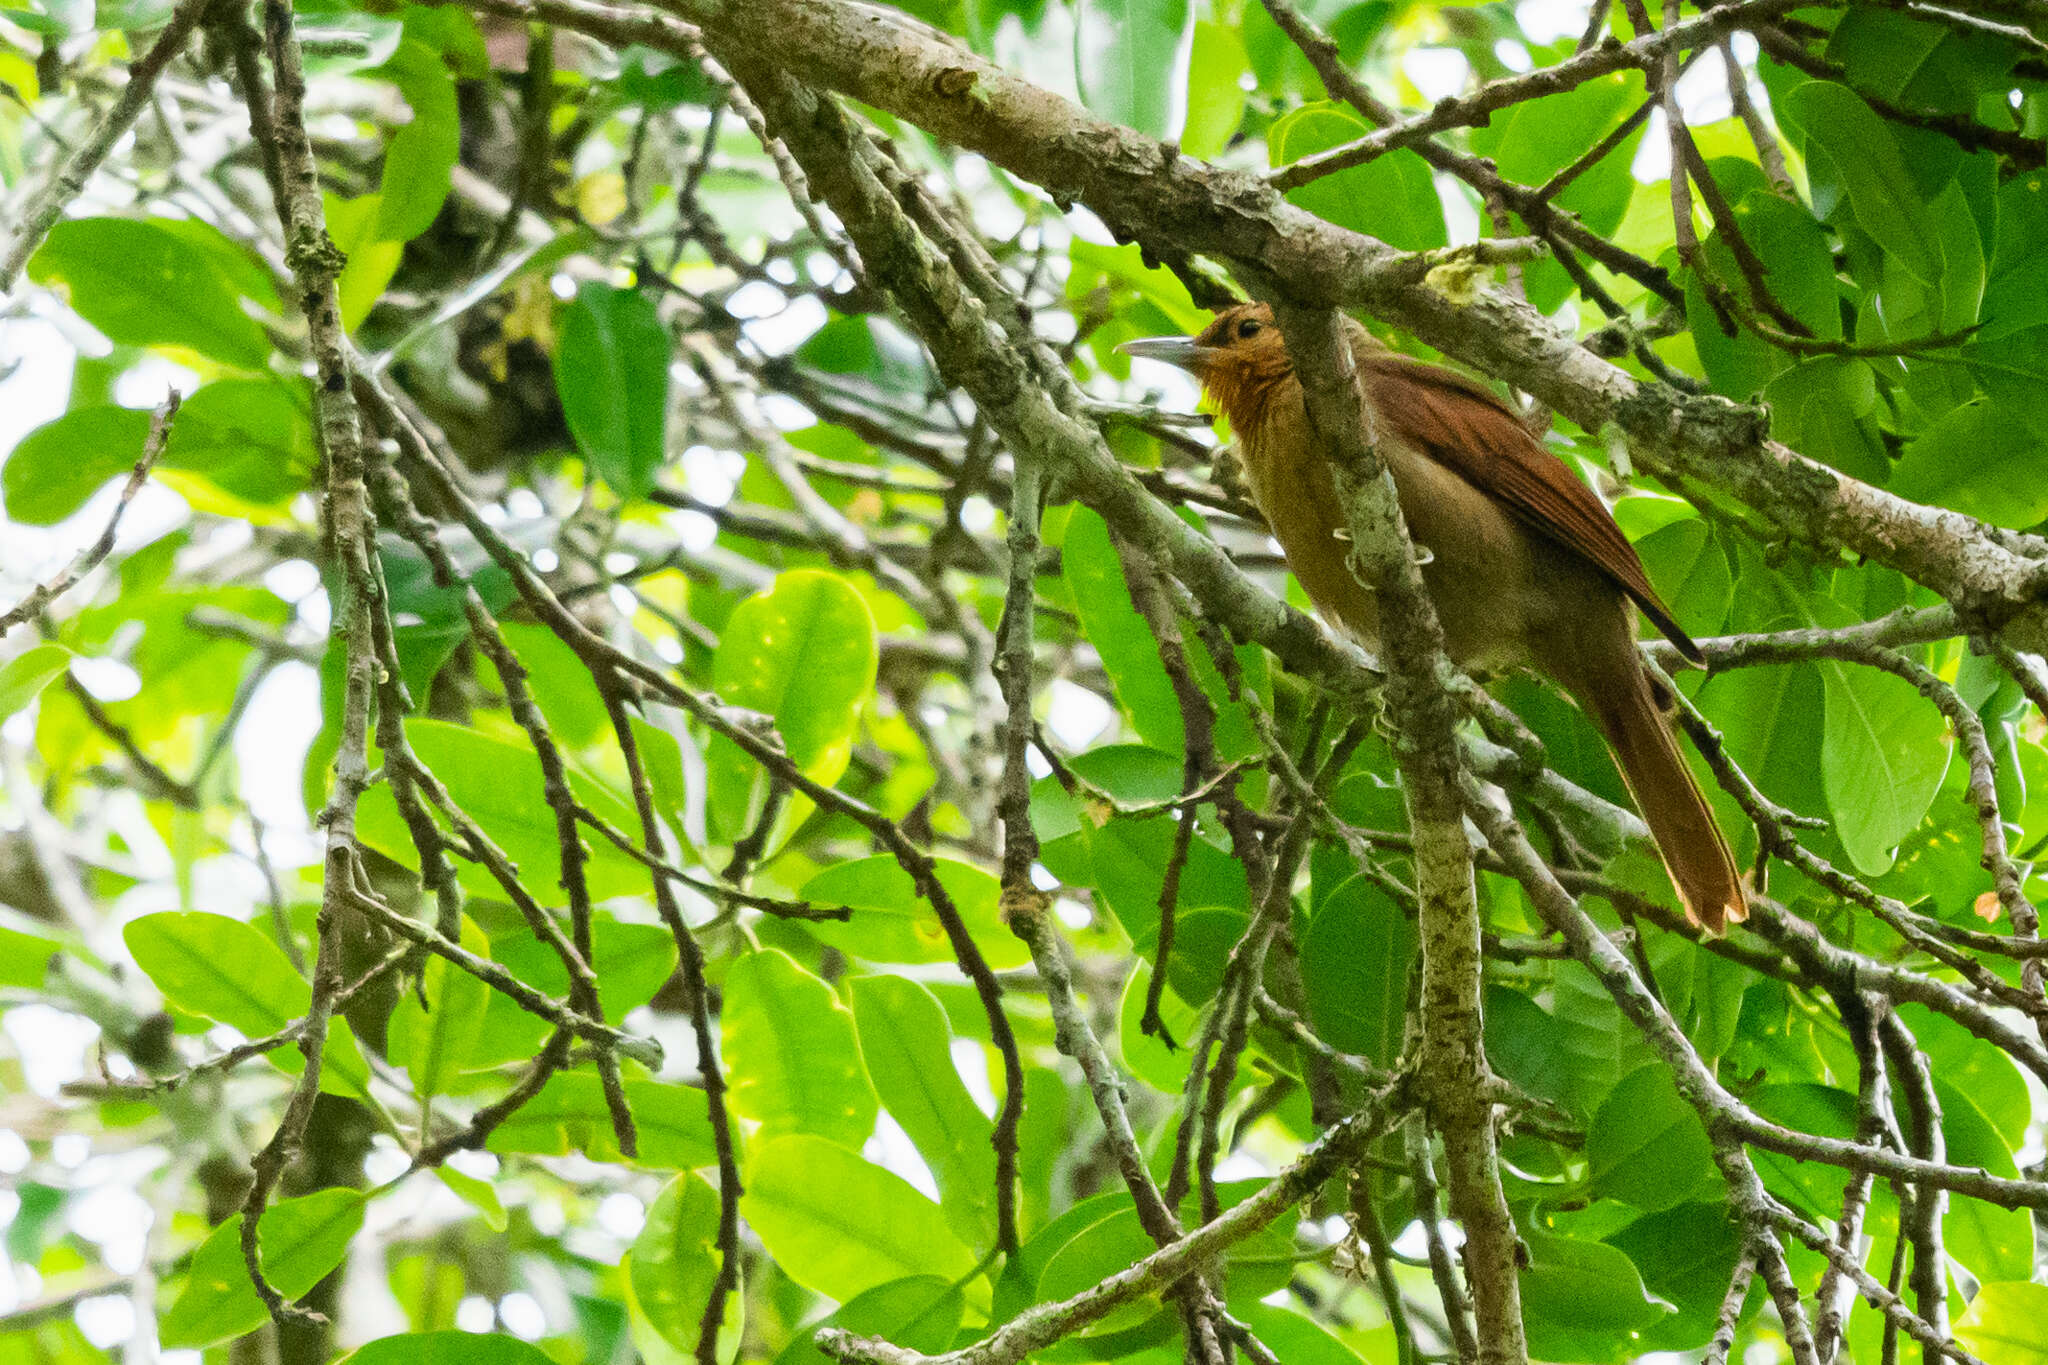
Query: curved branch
{"points": [[1144, 190]]}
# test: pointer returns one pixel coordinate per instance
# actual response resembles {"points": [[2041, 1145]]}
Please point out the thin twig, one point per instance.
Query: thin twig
{"points": [[91, 556], [67, 180], [1044, 1324], [350, 536]]}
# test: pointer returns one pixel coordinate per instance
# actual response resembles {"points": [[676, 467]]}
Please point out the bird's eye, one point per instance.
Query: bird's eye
{"points": [[1248, 329]]}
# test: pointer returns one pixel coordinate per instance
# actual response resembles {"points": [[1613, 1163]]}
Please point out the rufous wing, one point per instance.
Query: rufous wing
{"points": [[1464, 426]]}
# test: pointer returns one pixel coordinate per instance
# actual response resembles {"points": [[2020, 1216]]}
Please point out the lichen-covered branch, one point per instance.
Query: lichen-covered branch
{"points": [[350, 542], [92, 555], [68, 178], [1144, 191], [1423, 711], [1046, 1323]]}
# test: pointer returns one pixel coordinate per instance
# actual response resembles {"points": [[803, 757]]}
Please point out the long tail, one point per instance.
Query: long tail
{"points": [[1679, 818]]}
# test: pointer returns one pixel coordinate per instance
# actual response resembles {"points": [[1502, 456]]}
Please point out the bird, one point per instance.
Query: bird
{"points": [[1523, 562]]}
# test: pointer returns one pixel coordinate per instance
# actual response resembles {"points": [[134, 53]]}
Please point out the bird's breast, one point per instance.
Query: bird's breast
{"points": [[1485, 571]]}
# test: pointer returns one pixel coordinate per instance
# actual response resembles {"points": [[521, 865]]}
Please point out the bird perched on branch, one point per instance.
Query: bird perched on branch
{"points": [[1523, 561]]}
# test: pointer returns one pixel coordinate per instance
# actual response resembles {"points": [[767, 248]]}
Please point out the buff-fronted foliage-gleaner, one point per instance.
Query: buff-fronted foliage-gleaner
{"points": [[1523, 562]]}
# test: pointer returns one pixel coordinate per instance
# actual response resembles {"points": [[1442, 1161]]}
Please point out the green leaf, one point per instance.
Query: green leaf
{"points": [[434, 1038], [1130, 774], [1771, 718], [1684, 558], [611, 369], [60, 464], [453, 36], [421, 154], [1978, 461], [1884, 750], [1130, 654], [183, 670], [1051, 1110], [224, 970], [55, 18], [1298, 1339], [1535, 139], [252, 438], [25, 957], [1799, 265], [1216, 101], [480, 1195], [238, 266], [301, 1240], [1579, 1296], [631, 962], [1129, 61], [1842, 131], [791, 1053], [1884, 51], [674, 1261], [920, 1313], [661, 756], [1391, 197], [2004, 1324], [805, 653], [1355, 961], [1147, 1056], [429, 1287], [1023, 1272], [1539, 137], [1647, 1146], [2013, 372], [1991, 1241], [23, 677], [497, 781], [1923, 65], [1203, 938], [1108, 1238], [118, 272], [448, 1348], [1962, 258], [840, 1226], [1822, 1110], [660, 82], [1977, 1069], [569, 1115], [1717, 993], [891, 922], [2016, 294], [1827, 407], [1097, 1252], [1737, 366], [906, 1043], [1278, 61], [1973, 1081], [1163, 302], [560, 684], [1686, 1256], [372, 260], [1126, 861], [871, 347], [1800, 269], [1526, 1045], [1595, 1045]]}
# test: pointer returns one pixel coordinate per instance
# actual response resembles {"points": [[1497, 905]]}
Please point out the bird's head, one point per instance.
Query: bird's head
{"points": [[1239, 358]]}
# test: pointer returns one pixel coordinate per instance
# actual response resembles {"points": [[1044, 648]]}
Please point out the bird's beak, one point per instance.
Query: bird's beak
{"points": [[1181, 351]]}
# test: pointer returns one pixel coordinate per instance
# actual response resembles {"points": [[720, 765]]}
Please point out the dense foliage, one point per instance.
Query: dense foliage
{"points": [[762, 735]]}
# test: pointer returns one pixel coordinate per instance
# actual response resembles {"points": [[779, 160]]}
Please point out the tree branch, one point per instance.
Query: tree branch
{"points": [[68, 179], [92, 555]]}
